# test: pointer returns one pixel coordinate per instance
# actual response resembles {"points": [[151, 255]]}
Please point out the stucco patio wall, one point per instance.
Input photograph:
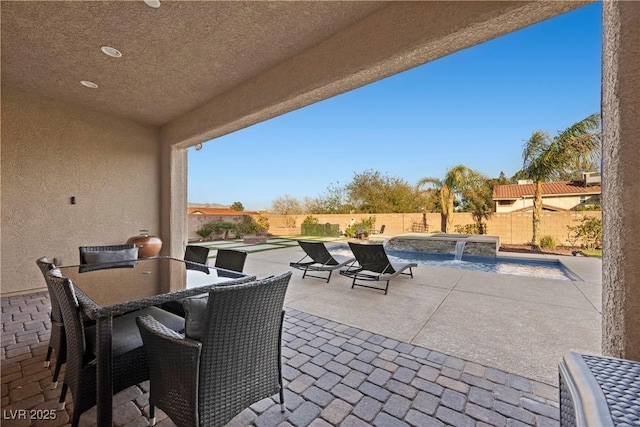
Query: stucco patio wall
{"points": [[53, 151]]}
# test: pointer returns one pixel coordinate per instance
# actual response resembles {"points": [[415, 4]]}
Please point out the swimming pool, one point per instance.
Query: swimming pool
{"points": [[545, 269]]}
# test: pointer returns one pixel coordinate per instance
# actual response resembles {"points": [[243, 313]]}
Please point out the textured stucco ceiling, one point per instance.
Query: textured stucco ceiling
{"points": [[203, 68], [175, 57]]}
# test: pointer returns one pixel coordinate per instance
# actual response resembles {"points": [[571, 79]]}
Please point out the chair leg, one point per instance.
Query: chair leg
{"points": [[76, 418], [152, 415], [329, 278], [63, 395], [47, 360], [56, 372]]}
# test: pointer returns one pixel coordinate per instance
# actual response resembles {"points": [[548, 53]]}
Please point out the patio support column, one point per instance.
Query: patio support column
{"points": [[173, 187], [621, 179]]}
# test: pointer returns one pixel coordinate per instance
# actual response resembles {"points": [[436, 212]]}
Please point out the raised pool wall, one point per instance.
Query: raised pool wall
{"points": [[446, 243]]}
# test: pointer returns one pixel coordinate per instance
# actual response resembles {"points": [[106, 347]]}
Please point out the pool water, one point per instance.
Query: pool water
{"points": [[545, 269]]}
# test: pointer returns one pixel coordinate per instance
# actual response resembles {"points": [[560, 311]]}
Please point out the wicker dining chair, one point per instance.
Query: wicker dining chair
{"points": [[84, 249], [231, 259], [57, 339], [236, 362], [199, 254], [129, 359]]}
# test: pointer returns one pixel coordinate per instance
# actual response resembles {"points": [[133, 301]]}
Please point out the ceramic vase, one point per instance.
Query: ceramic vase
{"points": [[148, 246]]}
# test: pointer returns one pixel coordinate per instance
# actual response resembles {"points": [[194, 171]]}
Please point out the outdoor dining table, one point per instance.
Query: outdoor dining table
{"points": [[110, 289]]}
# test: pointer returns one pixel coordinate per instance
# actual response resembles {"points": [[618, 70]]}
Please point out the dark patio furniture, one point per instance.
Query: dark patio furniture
{"points": [[57, 339], [318, 258], [231, 259], [236, 363], [374, 265], [361, 232], [599, 391], [129, 361], [199, 254], [109, 248], [381, 231], [228, 259], [150, 282]]}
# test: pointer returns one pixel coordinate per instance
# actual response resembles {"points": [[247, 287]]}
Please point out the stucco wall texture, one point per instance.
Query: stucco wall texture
{"points": [[52, 151], [621, 186]]}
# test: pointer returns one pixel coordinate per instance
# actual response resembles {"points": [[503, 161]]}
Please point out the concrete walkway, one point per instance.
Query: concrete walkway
{"points": [[523, 325]]}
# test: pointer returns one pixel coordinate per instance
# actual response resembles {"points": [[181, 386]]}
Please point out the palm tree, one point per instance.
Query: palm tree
{"points": [[459, 180], [544, 158]]}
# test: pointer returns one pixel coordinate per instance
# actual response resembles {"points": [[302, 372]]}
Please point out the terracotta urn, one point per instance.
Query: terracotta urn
{"points": [[148, 246]]}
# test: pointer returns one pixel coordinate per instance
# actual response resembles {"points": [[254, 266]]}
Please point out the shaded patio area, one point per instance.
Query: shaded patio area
{"points": [[449, 347], [335, 374]]}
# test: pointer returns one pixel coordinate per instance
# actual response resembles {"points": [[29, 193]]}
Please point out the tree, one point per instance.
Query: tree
{"points": [[332, 201], [237, 206], [545, 158], [287, 206], [373, 192], [477, 197], [458, 182]]}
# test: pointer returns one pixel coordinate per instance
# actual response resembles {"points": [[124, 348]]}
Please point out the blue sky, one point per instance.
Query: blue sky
{"points": [[475, 107]]}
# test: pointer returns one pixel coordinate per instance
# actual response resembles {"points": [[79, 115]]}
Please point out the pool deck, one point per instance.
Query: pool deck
{"points": [[448, 347], [523, 325]]}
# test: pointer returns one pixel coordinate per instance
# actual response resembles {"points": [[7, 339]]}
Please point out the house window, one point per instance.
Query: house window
{"points": [[505, 202]]}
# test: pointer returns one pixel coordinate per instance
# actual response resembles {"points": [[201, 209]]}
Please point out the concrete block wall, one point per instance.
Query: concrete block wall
{"points": [[511, 227]]}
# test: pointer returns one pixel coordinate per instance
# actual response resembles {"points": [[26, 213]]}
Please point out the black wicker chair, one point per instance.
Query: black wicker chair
{"points": [[236, 362], [57, 340], [199, 254], [230, 259], [374, 265], [84, 249], [320, 259], [129, 359]]}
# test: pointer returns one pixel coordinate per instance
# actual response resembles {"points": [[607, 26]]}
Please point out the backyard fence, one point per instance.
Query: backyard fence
{"points": [[511, 227]]}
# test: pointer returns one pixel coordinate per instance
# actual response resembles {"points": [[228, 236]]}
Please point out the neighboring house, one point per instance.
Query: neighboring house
{"points": [[217, 211], [556, 196]]}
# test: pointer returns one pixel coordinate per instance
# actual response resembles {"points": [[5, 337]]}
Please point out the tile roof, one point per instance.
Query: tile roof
{"points": [[518, 191], [218, 211]]}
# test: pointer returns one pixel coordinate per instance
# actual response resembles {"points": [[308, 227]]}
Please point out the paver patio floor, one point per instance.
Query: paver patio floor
{"points": [[448, 347]]}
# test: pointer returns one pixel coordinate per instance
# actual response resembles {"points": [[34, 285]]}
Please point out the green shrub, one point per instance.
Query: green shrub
{"points": [[263, 223], [207, 229], [248, 225], [589, 232], [368, 225], [548, 242], [310, 219], [332, 230], [467, 229]]}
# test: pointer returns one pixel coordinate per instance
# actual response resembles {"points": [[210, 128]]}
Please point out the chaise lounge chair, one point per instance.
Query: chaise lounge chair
{"points": [[320, 260], [374, 266]]}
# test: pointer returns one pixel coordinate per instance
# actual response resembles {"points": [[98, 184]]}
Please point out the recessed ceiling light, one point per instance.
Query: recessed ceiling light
{"points": [[153, 3], [113, 52], [87, 83]]}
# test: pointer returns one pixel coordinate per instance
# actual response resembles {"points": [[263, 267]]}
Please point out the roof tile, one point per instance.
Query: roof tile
{"points": [[518, 191]]}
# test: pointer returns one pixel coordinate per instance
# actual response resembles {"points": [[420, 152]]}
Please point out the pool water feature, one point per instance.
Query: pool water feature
{"points": [[460, 244]]}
